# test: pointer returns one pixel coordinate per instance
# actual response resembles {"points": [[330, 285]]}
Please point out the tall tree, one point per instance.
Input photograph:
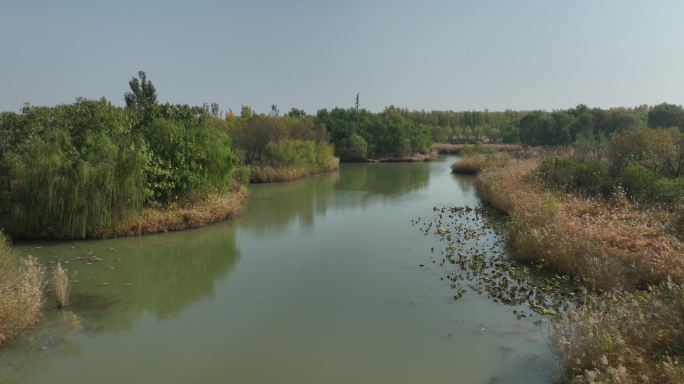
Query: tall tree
{"points": [[142, 94]]}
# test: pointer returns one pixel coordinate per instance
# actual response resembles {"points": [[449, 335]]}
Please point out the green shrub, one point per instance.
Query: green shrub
{"points": [[353, 148], [592, 176], [669, 191], [558, 172], [589, 176], [659, 150], [80, 169], [638, 180], [186, 159]]}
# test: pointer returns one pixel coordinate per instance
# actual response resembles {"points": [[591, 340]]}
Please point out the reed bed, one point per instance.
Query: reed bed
{"points": [[269, 174], [21, 292], [630, 329]]}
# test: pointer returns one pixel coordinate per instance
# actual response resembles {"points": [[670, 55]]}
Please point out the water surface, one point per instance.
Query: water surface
{"points": [[319, 281]]}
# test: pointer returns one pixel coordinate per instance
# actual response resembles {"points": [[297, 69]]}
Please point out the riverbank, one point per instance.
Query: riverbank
{"points": [[270, 174], [22, 280], [416, 157], [615, 248], [200, 213], [456, 149]]}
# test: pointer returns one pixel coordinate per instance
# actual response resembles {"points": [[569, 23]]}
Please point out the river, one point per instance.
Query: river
{"points": [[319, 281]]}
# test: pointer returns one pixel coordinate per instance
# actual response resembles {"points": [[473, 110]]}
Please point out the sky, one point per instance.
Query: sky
{"points": [[429, 54]]}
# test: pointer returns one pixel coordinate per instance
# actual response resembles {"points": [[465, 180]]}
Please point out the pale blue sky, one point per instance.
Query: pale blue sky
{"points": [[429, 54]]}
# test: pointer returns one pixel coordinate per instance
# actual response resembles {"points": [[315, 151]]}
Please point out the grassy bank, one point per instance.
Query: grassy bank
{"points": [[21, 292], [202, 212], [269, 174], [625, 251], [416, 157], [606, 243]]}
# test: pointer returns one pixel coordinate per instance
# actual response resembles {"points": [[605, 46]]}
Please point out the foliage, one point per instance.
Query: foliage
{"points": [[387, 134], [79, 167], [353, 148], [659, 150], [186, 158], [588, 176], [282, 148], [143, 94], [638, 180], [666, 116]]}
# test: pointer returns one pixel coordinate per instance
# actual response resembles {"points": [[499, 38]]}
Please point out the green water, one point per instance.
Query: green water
{"points": [[318, 282]]}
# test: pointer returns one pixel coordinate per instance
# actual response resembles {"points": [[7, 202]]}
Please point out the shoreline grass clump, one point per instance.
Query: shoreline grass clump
{"points": [[61, 286], [180, 216], [21, 292], [471, 165]]}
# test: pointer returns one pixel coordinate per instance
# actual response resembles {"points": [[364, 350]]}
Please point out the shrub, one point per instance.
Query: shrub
{"points": [[659, 150], [559, 172], [21, 292], [638, 180], [589, 176], [80, 169], [592, 176], [353, 148], [186, 160], [669, 191]]}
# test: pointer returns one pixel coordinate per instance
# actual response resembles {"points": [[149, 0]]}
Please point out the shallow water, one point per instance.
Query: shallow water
{"points": [[319, 281]]}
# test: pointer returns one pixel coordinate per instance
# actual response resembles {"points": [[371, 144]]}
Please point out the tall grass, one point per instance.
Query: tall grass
{"points": [[21, 292], [605, 244], [624, 337], [61, 286], [623, 333]]}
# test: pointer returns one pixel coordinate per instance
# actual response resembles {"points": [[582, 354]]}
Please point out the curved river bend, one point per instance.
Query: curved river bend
{"points": [[319, 281]]}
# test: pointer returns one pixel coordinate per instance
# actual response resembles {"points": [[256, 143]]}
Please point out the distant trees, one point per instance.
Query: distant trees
{"points": [[385, 134], [666, 116]]}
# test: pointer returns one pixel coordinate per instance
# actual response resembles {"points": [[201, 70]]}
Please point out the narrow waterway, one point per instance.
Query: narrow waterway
{"points": [[319, 281]]}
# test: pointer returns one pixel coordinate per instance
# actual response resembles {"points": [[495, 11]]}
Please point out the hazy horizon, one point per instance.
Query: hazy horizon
{"points": [[436, 55]]}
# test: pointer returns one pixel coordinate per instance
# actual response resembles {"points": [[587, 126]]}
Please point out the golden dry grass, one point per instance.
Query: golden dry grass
{"points": [[269, 174], [61, 286], [624, 337], [21, 292], [471, 165], [610, 244], [209, 210], [622, 334]]}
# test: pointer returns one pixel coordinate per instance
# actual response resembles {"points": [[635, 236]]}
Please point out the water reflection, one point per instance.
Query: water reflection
{"points": [[272, 207], [385, 180], [120, 280]]}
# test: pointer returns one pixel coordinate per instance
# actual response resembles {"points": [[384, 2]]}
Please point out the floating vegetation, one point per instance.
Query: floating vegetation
{"points": [[475, 258]]}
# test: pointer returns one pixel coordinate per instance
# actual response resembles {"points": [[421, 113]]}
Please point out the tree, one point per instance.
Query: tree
{"points": [[666, 116], [275, 112], [143, 93], [246, 112], [215, 111], [296, 112]]}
